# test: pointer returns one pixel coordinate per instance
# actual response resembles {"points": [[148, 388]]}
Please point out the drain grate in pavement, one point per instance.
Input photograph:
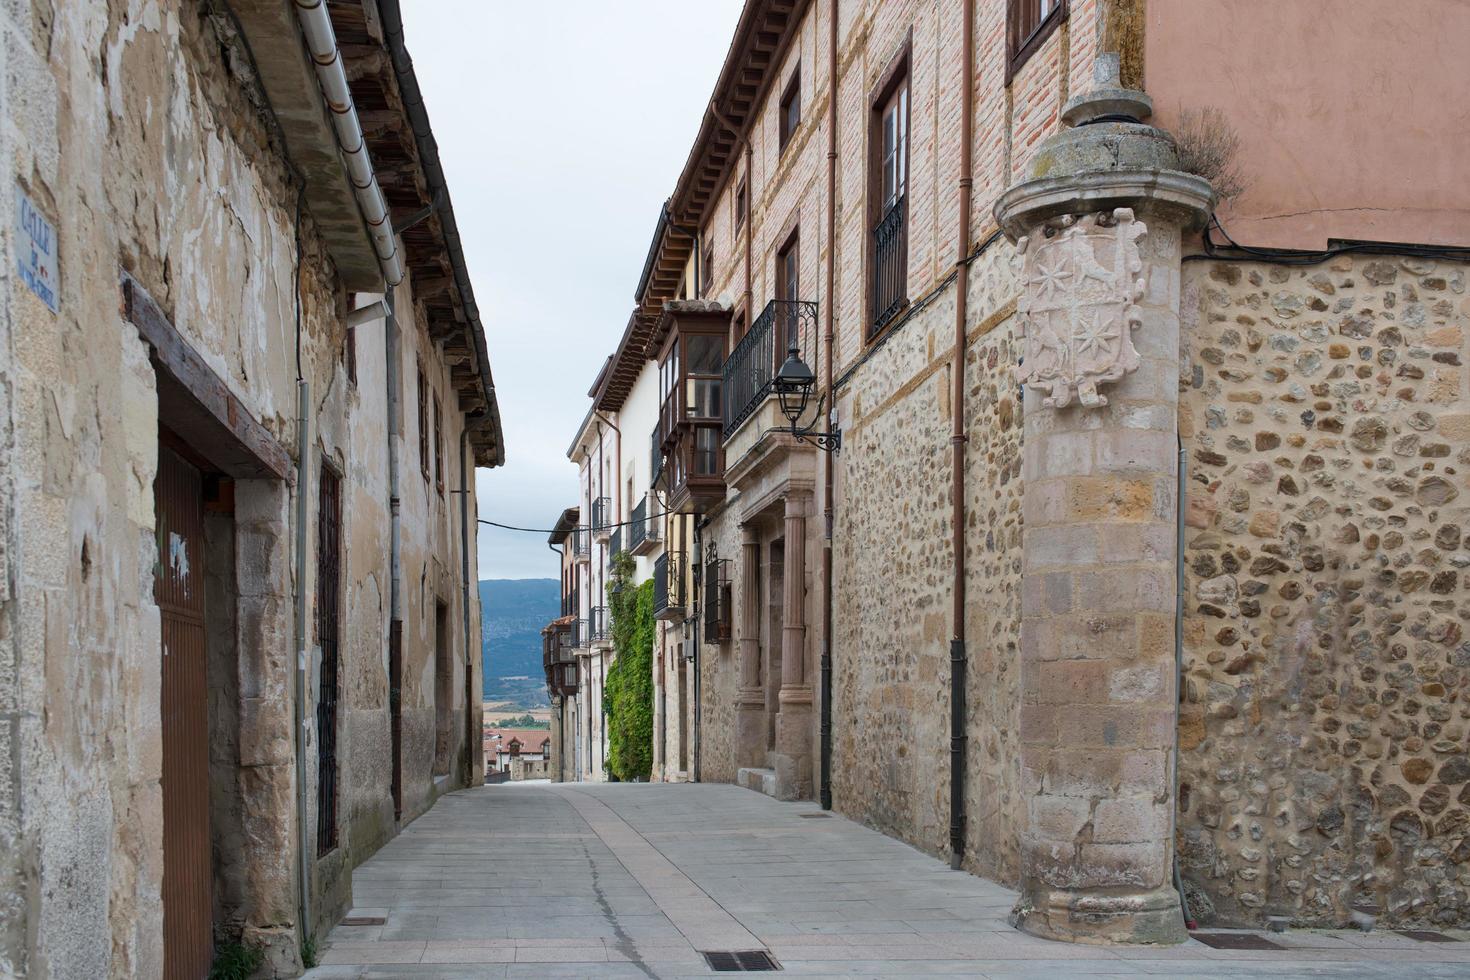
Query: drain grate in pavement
{"points": [[814, 816], [743, 961], [1427, 936], [1235, 940], [364, 920]]}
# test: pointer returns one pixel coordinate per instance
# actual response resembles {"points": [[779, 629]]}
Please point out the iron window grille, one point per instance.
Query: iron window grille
{"points": [[890, 264], [749, 369], [718, 597], [668, 583]]}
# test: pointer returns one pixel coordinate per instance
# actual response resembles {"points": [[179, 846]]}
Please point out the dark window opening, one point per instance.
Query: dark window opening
{"points": [[443, 689], [328, 586], [707, 269], [423, 423], [788, 290], [350, 354], [790, 118], [438, 446], [1028, 24], [740, 205]]}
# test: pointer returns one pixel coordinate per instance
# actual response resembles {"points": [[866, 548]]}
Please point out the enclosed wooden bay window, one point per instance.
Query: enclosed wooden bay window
{"points": [[691, 407]]}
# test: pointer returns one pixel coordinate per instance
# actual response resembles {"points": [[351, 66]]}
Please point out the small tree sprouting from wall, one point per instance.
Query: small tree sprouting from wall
{"points": [[628, 697]]}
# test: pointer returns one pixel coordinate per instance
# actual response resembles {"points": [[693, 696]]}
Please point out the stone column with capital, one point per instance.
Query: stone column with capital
{"points": [[792, 758], [750, 699], [1098, 227]]}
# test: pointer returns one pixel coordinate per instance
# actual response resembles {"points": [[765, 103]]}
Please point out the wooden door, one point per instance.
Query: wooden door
{"points": [[188, 945]]}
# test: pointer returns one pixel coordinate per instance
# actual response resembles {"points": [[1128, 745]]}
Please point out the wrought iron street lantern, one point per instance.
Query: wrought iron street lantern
{"points": [[793, 385]]}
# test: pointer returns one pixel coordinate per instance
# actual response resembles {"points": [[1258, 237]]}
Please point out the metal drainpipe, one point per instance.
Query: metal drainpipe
{"points": [[1180, 476], [696, 578], [303, 659], [464, 558], [957, 688], [395, 524], [825, 790], [321, 43]]}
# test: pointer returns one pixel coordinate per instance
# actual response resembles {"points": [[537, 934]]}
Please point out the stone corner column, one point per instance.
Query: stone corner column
{"points": [[793, 756], [1098, 230], [750, 698]]}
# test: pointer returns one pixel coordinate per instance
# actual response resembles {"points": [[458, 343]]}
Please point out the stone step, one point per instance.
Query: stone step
{"points": [[760, 780]]}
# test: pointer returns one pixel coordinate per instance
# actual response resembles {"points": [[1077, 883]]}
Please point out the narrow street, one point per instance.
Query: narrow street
{"points": [[608, 880]]}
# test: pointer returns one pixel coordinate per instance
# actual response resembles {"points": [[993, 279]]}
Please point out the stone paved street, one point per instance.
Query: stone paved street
{"points": [[528, 880]]}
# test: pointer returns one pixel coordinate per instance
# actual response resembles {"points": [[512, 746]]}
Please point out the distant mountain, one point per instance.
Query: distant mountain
{"points": [[512, 613]]}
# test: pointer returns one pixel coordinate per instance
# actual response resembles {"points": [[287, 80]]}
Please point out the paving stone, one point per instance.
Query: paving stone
{"points": [[633, 881]]}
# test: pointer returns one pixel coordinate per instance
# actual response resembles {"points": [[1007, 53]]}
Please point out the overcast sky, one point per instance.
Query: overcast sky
{"points": [[562, 127]]}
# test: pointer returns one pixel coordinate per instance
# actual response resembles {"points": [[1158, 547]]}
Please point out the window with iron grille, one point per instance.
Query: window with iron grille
{"points": [[423, 422], [328, 589], [1028, 24], [890, 160], [438, 446], [718, 597]]}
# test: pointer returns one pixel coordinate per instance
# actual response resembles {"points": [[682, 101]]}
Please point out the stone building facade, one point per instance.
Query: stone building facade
{"points": [[1140, 544], [241, 420]]}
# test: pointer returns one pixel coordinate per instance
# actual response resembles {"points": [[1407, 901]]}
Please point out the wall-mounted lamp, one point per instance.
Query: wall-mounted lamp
{"points": [[793, 384]]}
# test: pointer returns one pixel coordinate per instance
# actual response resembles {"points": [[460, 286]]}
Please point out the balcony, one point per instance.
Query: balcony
{"points": [[655, 456], [615, 543], [600, 625], [582, 543], [890, 266], [643, 533], [668, 587], [749, 369], [602, 518], [581, 634]]}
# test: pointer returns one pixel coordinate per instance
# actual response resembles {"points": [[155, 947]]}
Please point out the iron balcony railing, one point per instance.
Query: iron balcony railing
{"points": [[615, 545], [890, 265], [668, 583], [656, 456], [601, 514], [749, 369], [600, 626], [581, 634], [582, 542], [638, 530]]}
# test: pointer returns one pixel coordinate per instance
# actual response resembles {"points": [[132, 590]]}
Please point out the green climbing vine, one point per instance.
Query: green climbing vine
{"points": [[628, 698]]}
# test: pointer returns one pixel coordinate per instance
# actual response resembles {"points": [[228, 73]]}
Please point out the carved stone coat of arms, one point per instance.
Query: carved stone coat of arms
{"points": [[1078, 305]]}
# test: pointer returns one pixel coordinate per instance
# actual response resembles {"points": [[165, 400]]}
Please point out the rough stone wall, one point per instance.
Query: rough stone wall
{"points": [[129, 124], [1323, 732], [719, 664], [894, 582]]}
